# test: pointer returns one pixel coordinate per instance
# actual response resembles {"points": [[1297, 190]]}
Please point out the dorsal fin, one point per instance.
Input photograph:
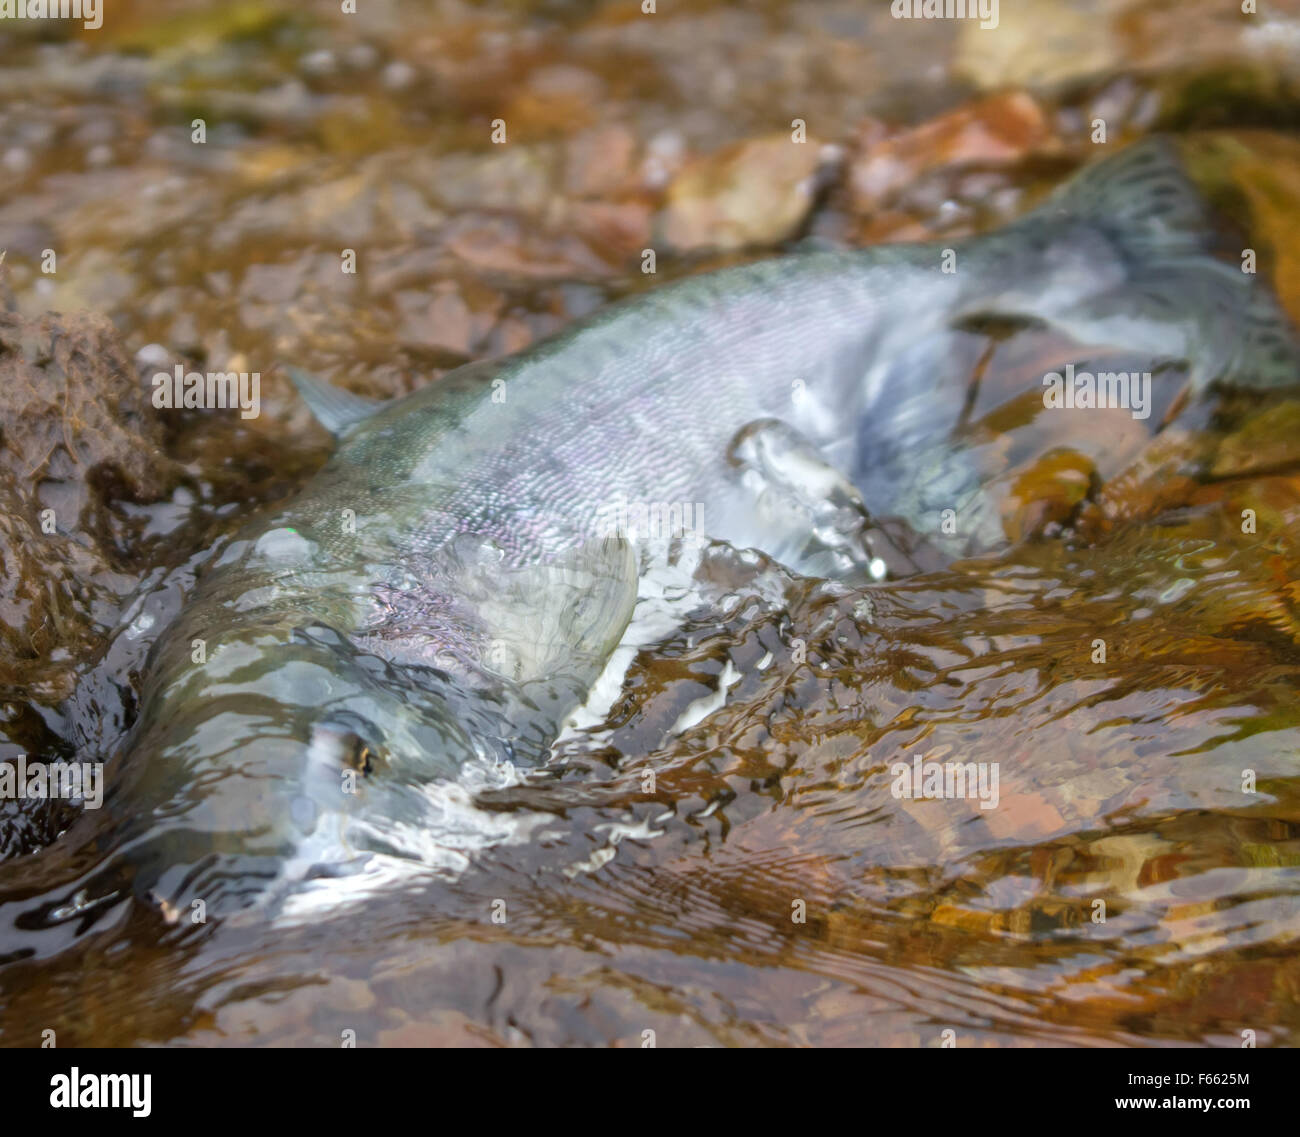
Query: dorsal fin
{"points": [[335, 409]]}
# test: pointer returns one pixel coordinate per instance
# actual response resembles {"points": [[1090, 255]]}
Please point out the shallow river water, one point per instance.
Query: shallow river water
{"points": [[717, 856]]}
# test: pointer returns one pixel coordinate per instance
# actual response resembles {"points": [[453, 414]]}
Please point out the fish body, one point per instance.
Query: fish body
{"points": [[445, 591]]}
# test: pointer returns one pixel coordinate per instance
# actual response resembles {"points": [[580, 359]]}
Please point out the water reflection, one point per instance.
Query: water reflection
{"points": [[745, 876]]}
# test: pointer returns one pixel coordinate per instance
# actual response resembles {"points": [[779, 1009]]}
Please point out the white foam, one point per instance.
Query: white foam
{"points": [[699, 710], [450, 830], [667, 592]]}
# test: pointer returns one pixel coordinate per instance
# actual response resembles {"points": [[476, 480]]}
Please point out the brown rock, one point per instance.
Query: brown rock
{"points": [[1046, 492], [599, 161], [754, 193], [455, 318], [997, 131], [1265, 441], [78, 432]]}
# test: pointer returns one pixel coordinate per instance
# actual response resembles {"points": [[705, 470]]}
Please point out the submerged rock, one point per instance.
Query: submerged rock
{"points": [[78, 435]]}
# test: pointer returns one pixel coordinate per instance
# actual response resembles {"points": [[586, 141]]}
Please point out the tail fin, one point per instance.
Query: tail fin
{"points": [[1174, 300], [1141, 196], [1268, 352]]}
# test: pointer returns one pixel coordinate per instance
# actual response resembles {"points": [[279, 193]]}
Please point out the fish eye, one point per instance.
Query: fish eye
{"points": [[361, 756], [339, 746]]}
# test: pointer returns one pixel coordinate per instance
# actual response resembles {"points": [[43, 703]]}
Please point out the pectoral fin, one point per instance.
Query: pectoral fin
{"points": [[551, 626]]}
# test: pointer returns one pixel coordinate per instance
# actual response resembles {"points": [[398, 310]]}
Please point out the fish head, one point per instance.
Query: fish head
{"points": [[280, 760]]}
